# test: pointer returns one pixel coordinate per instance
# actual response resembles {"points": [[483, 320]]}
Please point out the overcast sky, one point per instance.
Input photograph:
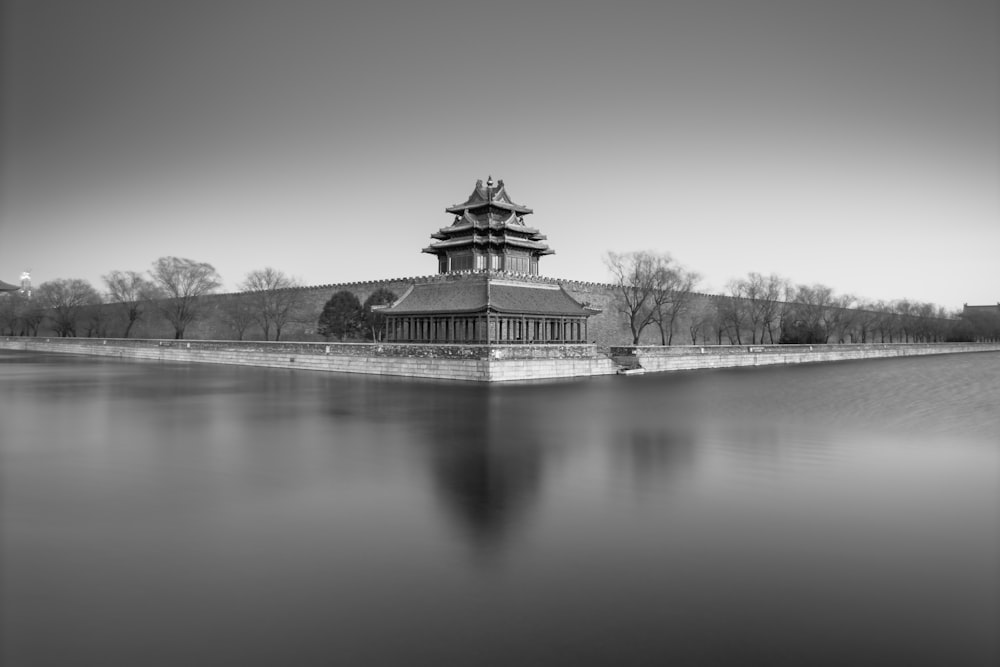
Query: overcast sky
{"points": [[853, 143]]}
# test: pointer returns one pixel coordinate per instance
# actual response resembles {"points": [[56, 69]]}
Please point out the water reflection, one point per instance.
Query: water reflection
{"points": [[486, 468], [783, 516], [657, 456]]}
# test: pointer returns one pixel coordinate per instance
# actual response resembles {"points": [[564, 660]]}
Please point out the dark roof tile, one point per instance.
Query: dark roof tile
{"points": [[474, 293]]}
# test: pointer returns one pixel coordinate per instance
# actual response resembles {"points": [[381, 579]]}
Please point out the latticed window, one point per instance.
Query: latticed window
{"points": [[517, 263], [462, 262]]}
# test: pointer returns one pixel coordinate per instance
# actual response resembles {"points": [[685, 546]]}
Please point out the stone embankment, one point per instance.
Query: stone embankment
{"points": [[690, 357], [477, 363]]}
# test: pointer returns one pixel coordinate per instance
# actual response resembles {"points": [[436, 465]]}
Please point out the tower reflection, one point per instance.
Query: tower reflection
{"points": [[487, 465]]}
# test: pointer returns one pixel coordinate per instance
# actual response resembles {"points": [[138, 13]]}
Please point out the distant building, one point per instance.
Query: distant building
{"points": [[23, 288], [983, 322], [485, 291], [973, 311]]}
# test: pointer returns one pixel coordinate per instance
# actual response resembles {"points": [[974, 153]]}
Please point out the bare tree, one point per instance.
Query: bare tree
{"points": [[840, 316], [902, 311], [759, 302], [672, 298], [184, 282], [65, 299], [739, 309], [944, 324], [132, 293], [236, 311], [731, 319], [883, 321], [808, 314], [701, 320], [645, 282], [274, 298], [767, 296], [866, 321], [96, 320], [31, 316], [635, 280]]}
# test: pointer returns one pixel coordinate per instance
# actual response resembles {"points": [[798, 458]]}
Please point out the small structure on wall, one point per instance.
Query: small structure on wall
{"points": [[487, 290]]}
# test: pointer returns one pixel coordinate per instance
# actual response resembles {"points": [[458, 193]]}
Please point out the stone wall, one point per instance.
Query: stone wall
{"points": [[689, 357], [480, 363]]}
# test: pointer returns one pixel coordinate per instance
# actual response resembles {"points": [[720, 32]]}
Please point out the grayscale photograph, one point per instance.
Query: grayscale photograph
{"points": [[509, 334]]}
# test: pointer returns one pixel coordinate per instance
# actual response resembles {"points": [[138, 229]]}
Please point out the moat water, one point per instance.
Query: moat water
{"points": [[835, 514]]}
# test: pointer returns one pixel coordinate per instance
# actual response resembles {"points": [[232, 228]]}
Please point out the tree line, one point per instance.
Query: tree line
{"points": [[174, 289], [654, 290], [651, 290]]}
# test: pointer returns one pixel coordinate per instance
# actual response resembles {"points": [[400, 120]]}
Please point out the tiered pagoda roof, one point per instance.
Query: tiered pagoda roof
{"points": [[489, 195], [486, 294], [7, 287], [488, 222]]}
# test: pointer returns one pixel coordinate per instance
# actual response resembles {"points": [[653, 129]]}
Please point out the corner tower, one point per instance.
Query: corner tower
{"points": [[488, 234]]}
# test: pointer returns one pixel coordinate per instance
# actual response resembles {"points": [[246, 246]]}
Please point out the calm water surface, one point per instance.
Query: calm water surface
{"points": [[841, 514]]}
